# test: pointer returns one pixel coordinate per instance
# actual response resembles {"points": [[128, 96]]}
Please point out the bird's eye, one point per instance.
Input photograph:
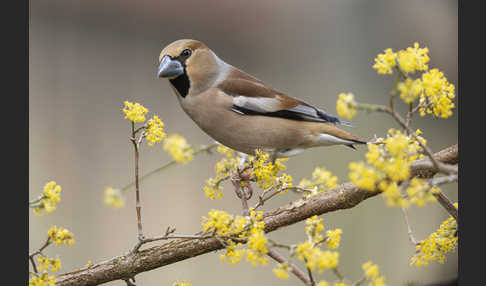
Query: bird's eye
{"points": [[186, 53]]}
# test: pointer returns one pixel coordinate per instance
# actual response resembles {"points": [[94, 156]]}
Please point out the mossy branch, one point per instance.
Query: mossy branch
{"points": [[344, 196]]}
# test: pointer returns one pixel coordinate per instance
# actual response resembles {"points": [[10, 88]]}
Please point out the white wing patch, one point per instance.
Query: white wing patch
{"points": [[328, 140], [257, 104]]}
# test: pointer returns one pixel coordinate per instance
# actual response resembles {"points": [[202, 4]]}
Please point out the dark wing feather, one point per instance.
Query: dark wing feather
{"points": [[252, 97]]}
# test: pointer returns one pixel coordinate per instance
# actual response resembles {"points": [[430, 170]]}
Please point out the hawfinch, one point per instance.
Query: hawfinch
{"points": [[242, 112]]}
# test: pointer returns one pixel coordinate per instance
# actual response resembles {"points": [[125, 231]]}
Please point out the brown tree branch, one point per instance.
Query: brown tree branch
{"points": [[128, 265]]}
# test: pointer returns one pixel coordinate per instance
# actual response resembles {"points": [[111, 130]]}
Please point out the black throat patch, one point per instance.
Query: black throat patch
{"points": [[182, 84]]}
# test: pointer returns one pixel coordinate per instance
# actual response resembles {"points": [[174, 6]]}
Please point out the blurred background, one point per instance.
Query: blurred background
{"points": [[87, 57]]}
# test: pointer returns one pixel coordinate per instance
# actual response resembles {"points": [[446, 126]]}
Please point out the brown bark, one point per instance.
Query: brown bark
{"points": [[342, 197]]}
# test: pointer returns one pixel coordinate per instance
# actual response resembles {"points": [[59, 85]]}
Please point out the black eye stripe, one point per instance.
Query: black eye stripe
{"points": [[184, 55]]}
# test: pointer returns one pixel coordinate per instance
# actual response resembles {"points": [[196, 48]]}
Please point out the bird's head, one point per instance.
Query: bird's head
{"points": [[189, 65]]}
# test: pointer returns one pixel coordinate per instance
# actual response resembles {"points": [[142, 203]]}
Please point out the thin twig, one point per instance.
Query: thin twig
{"points": [[138, 206], [338, 274], [357, 283], [39, 251], [309, 272], [410, 233], [294, 269]]}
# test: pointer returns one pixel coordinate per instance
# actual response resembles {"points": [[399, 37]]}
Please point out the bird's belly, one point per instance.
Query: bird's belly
{"points": [[246, 133]]}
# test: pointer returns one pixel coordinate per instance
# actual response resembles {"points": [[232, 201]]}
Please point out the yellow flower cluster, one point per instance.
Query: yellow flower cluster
{"points": [[223, 168], [313, 228], [43, 280], [387, 165], [410, 90], [385, 62], [223, 150], [262, 171], [372, 274], [310, 252], [265, 172], [134, 112], [45, 263], [333, 237], [420, 192], [438, 244], [154, 132], [182, 283], [178, 148], [413, 59], [60, 235], [282, 271], [114, 198], [322, 180], [316, 258], [257, 247], [248, 228], [434, 90], [50, 196], [410, 60], [437, 96], [346, 105]]}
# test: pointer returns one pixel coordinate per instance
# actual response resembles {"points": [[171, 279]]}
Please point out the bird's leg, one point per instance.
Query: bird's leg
{"points": [[250, 190], [235, 181], [273, 156]]}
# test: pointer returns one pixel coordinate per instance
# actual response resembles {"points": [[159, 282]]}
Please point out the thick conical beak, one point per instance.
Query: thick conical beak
{"points": [[169, 68]]}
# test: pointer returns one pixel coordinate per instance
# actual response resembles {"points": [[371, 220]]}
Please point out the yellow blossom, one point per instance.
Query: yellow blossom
{"points": [[437, 96], [257, 242], [182, 283], [315, 257], [392, 193], [346, 105], [322, 180], [322, 283], [134, 112], [379, 281], [178, 148], [363, 176], [248, 227], [50, 197], [114, 198], [372, 273], [385, 62], [45, 263], [213, 189], [397, 144], [43, 280], [264, 171], [154, 131], [283, 183], [420, 192], [371, 270], [282, 271], [340, 284], [333, 238], [438, 244], [60, 235], [228, 152], [410, 89], [313, 228], [413, 59], [397, 169]]}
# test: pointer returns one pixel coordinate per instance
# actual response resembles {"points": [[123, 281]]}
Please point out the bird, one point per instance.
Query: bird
{"points": [[242, 112]]}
